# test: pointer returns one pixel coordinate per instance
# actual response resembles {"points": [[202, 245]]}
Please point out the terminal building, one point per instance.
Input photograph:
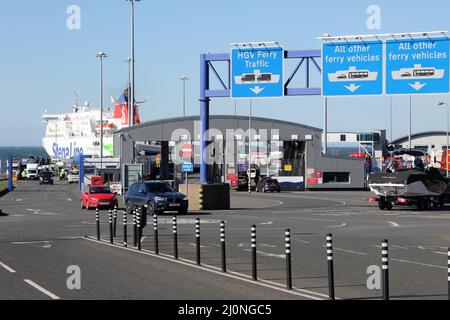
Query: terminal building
{"points": [[287, 151]]}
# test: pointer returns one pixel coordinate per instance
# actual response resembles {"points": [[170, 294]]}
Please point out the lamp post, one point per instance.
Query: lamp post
{"points": [[131, 94], [184, 79], [128, 60], [101, 55], [446, 151]]}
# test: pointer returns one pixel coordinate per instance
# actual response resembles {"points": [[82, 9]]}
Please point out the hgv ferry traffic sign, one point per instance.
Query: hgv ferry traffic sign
{"points": [[417, 66], [352, 68], [257, 73]]}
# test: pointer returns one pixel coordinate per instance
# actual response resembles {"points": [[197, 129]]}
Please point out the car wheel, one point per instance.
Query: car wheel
{"points": [[421, 205], [129, 207], [183, 211], [150, 208]]}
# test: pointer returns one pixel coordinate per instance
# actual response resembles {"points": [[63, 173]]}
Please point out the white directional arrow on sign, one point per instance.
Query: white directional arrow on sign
{"points": [[257, 89], [352, 88], [417, 86]]}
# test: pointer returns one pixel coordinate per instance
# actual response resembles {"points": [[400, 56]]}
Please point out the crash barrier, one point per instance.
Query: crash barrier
{"points": [[138, 227], [208, 196]]}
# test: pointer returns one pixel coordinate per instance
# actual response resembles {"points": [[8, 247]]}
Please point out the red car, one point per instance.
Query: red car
{"points": [[99, 196]]}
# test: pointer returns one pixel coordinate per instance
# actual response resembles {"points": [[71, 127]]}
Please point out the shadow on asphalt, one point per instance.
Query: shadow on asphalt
{"points": [[3, 214]]}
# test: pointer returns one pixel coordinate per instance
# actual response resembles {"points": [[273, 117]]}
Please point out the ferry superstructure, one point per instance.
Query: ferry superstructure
{"points": [[71, 134]]}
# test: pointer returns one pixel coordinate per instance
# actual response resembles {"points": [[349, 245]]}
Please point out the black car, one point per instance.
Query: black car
{"points": [[157, 196], [268, 184], [45, 177]]}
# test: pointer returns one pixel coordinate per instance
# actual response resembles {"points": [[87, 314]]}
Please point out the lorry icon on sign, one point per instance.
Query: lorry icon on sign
{"points": [[257, 77]]}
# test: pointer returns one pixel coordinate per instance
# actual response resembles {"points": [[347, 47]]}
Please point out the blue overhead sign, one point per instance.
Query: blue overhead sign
{"points": [[187, 167], [257, 73], [352, 68], [417, 66]]}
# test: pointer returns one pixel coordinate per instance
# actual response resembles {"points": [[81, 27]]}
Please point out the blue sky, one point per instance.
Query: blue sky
{"points": [[42, 62]]}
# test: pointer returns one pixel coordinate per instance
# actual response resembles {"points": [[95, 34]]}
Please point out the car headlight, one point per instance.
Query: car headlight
{"points": [[159, 199], [185, 198], [94, 199]]}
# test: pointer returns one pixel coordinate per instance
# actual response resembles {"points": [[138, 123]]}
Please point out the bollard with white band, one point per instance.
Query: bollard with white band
{"points": [[134, 228], [385, 269], [115, 221], [125, 236], [222, 246], [330, 266], [253, 238], [287, 240], [97, 219], [175, 237], [110, 220], [139, 230], [197, 240], [155, 232]]}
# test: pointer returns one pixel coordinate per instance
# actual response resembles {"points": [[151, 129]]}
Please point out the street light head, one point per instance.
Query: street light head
{"points": [[101, 55]]}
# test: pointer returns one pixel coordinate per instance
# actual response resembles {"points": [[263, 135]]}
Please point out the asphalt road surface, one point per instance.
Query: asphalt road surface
{"points": [[43, 234]]}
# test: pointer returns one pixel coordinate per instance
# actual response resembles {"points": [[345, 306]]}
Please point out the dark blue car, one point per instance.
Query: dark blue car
{"points": [[157, 196]]}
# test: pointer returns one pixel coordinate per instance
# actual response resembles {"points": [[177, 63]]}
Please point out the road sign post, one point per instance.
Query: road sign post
{"points": [[187, 167], [257, 72]]}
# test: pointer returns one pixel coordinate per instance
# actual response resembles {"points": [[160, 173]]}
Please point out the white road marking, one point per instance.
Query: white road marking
{"points": [[267, 222], [265, 245], [19, 200], [339, 226], [299, 240], [70, 200], [218, 271], [312, 219], [348, 251], [420, 264], [44, 291], [7, 268], [393, 224], [194, 245], [267, 254], [438, 252]]}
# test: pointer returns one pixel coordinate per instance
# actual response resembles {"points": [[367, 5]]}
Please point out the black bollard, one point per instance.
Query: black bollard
{"points": [[253, 236], [385, 267], [222, 245], [125, 236], [287, 240], [155, 232], [330, 266], [197, 240], [139, 230], [134, 228], [175, 237], [110, 219], [97, 218], [115, 221], [448, 272]]}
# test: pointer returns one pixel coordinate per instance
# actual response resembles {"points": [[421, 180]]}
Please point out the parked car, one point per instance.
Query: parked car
{"points": [[45, 177], [73, 177], [268, 184], [157, 196], [98, 196]]}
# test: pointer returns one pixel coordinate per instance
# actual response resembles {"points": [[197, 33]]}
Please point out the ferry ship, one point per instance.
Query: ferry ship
{"points": [[76, 133]]}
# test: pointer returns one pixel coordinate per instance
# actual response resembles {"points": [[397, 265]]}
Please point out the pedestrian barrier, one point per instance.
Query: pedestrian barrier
{"points": [[125, 235], [175, 237], [115, 221], [138, 228], [155, 233], [222, 246], [97, 218], [254, 266], [110, 219], [330, 266], [287, 240], [197, 240], [385, 267]]}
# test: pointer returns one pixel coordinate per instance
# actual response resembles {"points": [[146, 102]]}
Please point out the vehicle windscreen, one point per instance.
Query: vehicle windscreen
{"points": [[158, 187], [100, 190], [46, 174]]}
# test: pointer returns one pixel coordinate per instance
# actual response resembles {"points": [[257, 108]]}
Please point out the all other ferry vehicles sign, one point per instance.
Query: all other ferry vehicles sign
{"points": [[352, 68], [257, 73], [417, 66]]}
